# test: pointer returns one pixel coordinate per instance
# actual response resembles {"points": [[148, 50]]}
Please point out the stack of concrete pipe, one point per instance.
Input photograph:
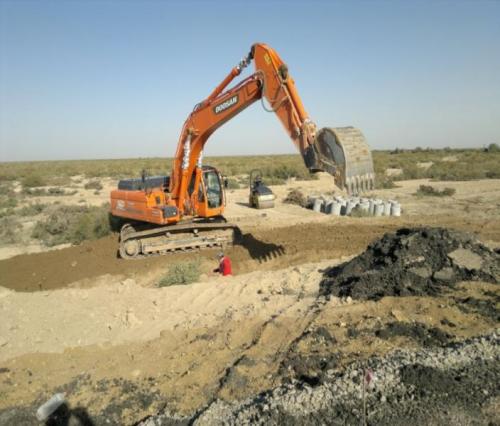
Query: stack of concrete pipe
{"points": [[341, 206]]}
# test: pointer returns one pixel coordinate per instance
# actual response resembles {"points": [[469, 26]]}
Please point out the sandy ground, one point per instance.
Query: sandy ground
{"points": [[81, 321]]}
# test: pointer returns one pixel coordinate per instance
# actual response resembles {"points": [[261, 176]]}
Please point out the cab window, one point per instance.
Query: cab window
{"points": [[213, 189]]}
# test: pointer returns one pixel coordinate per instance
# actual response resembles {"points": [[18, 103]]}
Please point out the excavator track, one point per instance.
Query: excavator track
{"points": [[136, 244]]}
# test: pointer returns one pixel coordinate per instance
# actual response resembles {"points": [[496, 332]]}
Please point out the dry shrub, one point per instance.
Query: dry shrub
{"points": [[43, 192], [296, 197], [9, 230], [181, 273], [32, 209], [427, 190], [232, 183], [73, 224], [384, 182], [33, 181], [93, 184]]}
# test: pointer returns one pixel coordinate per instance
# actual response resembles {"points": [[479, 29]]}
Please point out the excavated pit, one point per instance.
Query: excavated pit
{"points": [[413, 262]]}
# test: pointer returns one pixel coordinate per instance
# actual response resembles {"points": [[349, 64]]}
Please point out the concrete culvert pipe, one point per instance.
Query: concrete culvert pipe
{"points": [[364, 206], [395, 208], [317, 205], [387, 208], [378, 209], [371, 208], [336, 207], [349, 206]]}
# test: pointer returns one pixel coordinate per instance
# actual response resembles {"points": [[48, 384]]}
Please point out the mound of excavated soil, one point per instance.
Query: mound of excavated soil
{"points": [[416, 261]]}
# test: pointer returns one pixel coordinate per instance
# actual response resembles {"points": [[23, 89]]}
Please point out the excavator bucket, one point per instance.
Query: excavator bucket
{"points": [[344, 153]]}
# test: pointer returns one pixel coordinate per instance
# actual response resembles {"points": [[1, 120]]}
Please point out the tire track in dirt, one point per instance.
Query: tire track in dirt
{"points": [[225, 378]]}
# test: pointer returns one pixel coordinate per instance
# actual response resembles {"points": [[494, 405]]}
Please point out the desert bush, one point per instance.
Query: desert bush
{"points": [[384, 182], [8, 198], [72, 224], [181, 273], [279, 167], [7, 212], [56, 191], [6, 189], [427, 190], [493, 147], [7, 202], [287, 171], [9, 230], [232, 183], [92, 225], [32, 209], [93, 184], [35, 192], [44, 192], [33, 181], [273, 180], [296, 197]]}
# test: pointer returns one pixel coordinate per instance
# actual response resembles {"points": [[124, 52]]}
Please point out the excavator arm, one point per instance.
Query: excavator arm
{"points": [[341, 152]]}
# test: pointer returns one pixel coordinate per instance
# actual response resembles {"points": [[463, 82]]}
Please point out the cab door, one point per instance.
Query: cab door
{"points": [[210, 194]]}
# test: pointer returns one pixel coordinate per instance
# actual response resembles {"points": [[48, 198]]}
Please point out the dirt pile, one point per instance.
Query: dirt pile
{"points": [[413, 262]]}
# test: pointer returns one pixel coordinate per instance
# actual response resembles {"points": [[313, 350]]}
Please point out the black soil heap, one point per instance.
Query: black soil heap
{"points": [[413, 262]]}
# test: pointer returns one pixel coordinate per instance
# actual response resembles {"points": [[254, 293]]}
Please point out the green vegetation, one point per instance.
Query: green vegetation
{"points": [[9, 229], [8, 200], [31, 209], [493, 147], [72, 224], [181, 273], [232, 183], [447, 164], [427, 190], [32, 180], [93, 184], [274, 167], [45, 192], [384, 182]]}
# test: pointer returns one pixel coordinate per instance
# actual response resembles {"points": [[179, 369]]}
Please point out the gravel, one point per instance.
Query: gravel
{"points": [[440, 385]]}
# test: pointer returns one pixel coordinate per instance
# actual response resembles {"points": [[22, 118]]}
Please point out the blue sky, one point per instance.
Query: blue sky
{"points": [[115, 79]]}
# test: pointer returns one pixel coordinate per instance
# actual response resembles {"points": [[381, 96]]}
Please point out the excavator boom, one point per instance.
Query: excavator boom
{"points": [[342, 152]]}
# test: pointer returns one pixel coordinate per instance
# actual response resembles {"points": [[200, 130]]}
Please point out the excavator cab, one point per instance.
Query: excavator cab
{"points": [[213, 188], [211, 197]]}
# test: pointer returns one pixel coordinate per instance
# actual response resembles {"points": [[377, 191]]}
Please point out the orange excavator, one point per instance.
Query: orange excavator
{"points": [[184, 211]]}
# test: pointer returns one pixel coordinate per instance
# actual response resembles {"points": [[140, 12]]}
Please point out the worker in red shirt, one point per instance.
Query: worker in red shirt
{"points": [[224, 265]]}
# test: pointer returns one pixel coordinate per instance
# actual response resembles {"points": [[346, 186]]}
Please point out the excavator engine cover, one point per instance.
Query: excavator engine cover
{"points": [[344, 153]]}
